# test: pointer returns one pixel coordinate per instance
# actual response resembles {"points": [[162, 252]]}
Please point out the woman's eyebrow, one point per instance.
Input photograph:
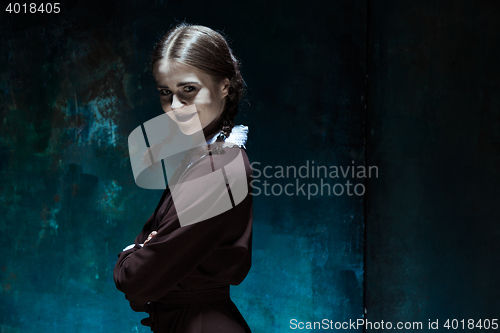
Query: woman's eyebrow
{"points": [[179, 84]]}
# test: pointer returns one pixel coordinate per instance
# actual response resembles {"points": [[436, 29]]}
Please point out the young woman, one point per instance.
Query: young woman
{"points": [[198, 240]]}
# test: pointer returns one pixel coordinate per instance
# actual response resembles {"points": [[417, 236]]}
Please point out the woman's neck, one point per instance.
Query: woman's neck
{"points": [[213, 128]]}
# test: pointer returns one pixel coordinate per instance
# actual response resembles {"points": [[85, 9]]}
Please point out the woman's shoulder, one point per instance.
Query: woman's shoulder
{"points": [[230, 159], [229, 156]]}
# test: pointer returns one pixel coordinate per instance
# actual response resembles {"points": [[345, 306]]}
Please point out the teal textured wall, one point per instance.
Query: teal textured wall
{"points": [[74, 85]]}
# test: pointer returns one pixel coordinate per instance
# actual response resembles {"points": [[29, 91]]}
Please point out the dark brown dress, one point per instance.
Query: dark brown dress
{"points": [[182, 276]]}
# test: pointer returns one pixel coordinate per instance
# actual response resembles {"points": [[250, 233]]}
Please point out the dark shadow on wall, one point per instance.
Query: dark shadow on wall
{"points": [[432, 217]]}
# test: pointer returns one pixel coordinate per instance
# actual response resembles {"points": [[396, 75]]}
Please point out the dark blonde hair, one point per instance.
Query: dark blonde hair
{"points": [[208, 51]]}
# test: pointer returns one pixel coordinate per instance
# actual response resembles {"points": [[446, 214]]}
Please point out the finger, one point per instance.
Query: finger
{"points": [[150, 236]]}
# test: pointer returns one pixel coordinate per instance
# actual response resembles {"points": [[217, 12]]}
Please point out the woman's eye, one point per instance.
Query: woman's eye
{"points": [[189, 88], [164, 92]]}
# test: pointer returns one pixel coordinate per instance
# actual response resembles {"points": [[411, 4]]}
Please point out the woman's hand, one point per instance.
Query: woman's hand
{"points": [[147, 240], [151, 235]]}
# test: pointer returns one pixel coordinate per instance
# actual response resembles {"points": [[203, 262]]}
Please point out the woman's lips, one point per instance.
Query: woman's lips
{"points": [[182, 118]]}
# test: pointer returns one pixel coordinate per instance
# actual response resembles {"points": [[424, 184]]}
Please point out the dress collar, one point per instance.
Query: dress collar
{"points": [[238, 136]]}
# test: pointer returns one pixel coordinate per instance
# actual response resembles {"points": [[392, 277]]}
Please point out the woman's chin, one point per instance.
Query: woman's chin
{"points": [[190, 127], [188, 121]]}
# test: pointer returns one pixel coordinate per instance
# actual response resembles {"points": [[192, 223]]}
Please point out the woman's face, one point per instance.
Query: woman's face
{"points": [[189, 96]]}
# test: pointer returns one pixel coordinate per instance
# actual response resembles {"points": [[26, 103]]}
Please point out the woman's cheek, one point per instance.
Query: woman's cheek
{"points": [[201, 115], [165, 106], [203, 98]]}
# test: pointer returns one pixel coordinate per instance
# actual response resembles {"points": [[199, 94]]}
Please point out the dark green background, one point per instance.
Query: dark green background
{"points": [[422, 244]]}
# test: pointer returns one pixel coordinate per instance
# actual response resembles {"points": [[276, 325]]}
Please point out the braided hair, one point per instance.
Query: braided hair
{"points": [[208, 51]]}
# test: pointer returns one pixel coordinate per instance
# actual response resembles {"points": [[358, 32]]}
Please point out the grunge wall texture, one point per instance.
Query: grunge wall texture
{"points": [[433, 127], [74, 86]]}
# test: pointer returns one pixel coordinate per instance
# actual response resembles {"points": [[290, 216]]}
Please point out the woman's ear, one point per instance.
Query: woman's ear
{"points": [[225, 84]]}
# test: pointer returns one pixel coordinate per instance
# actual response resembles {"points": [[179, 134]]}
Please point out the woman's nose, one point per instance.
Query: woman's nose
{"points": [[176, 103]]}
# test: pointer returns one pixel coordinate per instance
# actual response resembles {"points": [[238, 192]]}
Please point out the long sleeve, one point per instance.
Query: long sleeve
{"points": [[145, 274]]}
